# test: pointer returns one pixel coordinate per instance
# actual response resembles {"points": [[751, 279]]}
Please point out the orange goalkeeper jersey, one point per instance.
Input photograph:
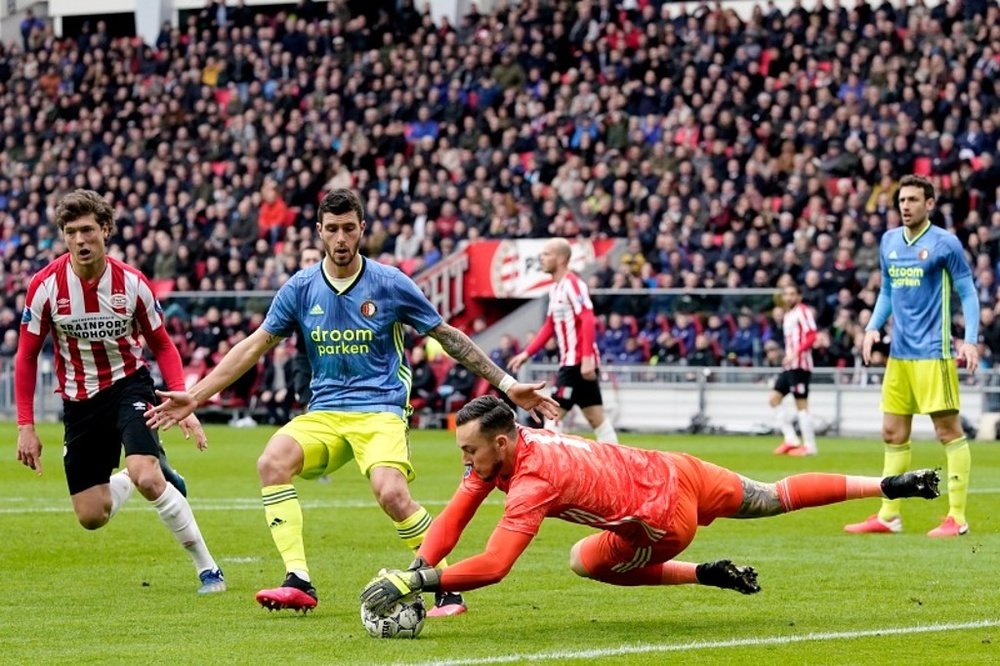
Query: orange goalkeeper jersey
{"points": [[619, 488]]}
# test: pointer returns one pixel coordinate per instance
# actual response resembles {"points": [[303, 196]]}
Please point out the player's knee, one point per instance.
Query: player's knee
{"points": [[275, 467], [94, 519], [948, 431], [149, 482], [393, 498], [892, 434], [576, 560]]}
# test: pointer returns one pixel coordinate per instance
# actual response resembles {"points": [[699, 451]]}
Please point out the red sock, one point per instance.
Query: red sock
{"points": [[805, 490]]}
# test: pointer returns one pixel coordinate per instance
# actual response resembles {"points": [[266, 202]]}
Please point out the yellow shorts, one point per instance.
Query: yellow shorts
{"points": [[922, 386], [330, 439]]}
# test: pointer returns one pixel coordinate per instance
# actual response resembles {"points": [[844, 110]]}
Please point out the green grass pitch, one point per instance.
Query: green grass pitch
{"points": [[126, 593]]}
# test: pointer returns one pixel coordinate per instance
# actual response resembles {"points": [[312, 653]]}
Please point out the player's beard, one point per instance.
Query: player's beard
{"points": [[494, 472], [345, 258]]}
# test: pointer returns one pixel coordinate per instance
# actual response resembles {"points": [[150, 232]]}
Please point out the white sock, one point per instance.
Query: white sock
{"points": [[606, 432], [301, 573], [806, 428], [176, 514], [121, 490], [784, 421]]}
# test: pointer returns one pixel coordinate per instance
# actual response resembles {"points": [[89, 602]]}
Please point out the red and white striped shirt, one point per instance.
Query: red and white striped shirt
{"points": [[799, 328], [571, 318], [95, 326]]}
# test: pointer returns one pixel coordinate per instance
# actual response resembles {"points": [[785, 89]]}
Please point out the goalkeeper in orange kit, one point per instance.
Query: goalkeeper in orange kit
{"points": [[647, 503]]}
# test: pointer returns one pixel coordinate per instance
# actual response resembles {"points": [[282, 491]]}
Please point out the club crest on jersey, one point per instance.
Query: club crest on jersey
{"points": [[118, 300], [368, 309], [923, 254]]}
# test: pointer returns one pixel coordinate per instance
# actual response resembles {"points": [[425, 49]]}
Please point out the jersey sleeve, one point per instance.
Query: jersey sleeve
{"points": [[34, 327], [450, 523], [954, 258], [281, 317], [528, 502], [412, 306], [35, 318], [148, 312], [580, 297]]}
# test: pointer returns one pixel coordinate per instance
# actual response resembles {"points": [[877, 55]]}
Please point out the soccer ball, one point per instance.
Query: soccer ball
{"points": [[404, 620]]}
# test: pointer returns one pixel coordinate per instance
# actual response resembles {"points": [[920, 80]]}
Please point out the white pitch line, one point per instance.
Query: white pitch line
{"points": [[27, 505], [709, 645]]}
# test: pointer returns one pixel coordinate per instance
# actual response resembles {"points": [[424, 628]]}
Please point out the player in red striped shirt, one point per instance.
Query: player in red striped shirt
{"points": [[799, 328], [648, 505], [96, 308], [571, 319]]}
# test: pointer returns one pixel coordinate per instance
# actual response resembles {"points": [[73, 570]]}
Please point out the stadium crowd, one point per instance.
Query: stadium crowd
{"points": [[724, 152]]}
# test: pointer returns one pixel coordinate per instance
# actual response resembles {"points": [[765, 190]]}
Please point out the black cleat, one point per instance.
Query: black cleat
{"points": [[447, 604], [171, 474], [728, 576], [919, 483]]}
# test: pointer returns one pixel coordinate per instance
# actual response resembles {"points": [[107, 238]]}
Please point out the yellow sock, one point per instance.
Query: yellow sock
{"points": [[959, 466], [413, 529], [284, 516], [897, 461]]}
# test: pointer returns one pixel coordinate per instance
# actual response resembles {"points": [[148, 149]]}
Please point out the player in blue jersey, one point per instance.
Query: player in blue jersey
{"points": [[920, 263], [351, 313]]}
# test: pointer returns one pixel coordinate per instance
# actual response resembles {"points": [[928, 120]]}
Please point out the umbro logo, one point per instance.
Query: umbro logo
{"points": [[316, 310], [893, 255], [276, 522], [139, 405]]}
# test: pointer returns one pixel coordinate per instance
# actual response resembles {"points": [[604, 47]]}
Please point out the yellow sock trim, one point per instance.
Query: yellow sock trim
{"points": [[959, 467], [413, 529], [896, 461], [284, 517]]}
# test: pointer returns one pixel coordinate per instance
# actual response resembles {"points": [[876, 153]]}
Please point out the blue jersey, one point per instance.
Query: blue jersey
{"points": [[918, 275], [354, 338]]}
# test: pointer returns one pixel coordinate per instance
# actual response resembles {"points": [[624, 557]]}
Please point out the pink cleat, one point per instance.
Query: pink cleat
{"points": [[875, 525], [949, 528], [801, 451], [785, 448]]}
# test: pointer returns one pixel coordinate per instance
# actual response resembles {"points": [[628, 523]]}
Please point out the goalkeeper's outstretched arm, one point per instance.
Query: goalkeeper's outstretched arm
{"points": [[489, 567]]}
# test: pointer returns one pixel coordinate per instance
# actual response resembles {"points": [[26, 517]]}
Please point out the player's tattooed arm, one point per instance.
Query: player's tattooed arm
{"points": [[271, 341], [461, 348], [759, 500]]}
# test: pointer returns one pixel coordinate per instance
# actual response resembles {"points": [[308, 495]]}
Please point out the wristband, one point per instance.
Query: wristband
{"points": [[506, 383]]}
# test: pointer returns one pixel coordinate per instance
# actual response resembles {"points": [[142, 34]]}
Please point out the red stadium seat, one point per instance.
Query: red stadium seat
{"points": [[162, 287], [922, 166]]}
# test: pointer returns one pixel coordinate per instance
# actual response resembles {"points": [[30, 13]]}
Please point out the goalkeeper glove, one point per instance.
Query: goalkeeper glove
{"points": [[391, 585]]}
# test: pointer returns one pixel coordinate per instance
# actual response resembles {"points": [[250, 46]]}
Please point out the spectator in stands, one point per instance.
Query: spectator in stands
{"points": [[667, 350], [685, 331], [744, 343], [273, 216], [612, 340], [504, 352], [456, 388], [275, 393], [423, 388], [703, 354]]}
